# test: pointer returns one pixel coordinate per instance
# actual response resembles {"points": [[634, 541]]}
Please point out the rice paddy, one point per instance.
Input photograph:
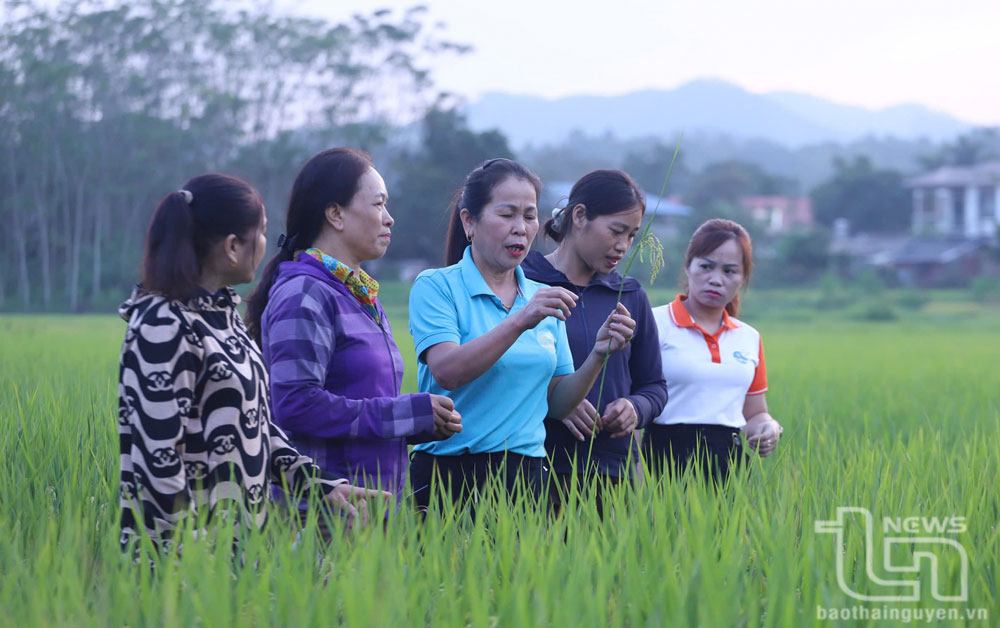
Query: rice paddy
{"points": [[901, 419]]}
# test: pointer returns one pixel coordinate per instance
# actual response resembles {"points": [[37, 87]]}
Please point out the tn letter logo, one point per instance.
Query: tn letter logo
{"points": [[930, 548]]}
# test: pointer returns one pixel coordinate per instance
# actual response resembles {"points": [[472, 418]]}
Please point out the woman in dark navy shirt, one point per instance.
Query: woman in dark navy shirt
{"points": [[594, 231]]}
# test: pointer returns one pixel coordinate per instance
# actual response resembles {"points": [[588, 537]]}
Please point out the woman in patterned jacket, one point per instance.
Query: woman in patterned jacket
{"points": [[194, 424]]}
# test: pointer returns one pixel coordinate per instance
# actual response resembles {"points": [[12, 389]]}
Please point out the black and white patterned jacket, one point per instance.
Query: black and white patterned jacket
{"points": [[194, 420]]}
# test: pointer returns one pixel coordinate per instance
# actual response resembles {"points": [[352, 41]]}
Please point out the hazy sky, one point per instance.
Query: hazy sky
{"points": [[873, 53]]}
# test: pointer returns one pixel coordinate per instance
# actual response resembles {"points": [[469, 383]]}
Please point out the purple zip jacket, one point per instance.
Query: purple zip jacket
{"points": [[336, 376], [634, 372]]}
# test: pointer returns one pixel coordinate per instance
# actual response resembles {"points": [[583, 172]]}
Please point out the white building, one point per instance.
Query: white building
{"points": [[957, 200]]}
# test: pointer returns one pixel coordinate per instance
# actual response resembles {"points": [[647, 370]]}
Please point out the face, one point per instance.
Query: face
{"points": [[603, 241], [506, 227], [714, 280], [367, 225]]}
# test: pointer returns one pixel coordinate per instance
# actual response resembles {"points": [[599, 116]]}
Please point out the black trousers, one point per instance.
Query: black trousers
{"points": [[589, 488], [466, 474], [717, 449]]}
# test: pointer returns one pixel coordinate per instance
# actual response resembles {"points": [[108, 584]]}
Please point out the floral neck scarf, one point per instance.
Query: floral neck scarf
{"points": [[361, 285]]}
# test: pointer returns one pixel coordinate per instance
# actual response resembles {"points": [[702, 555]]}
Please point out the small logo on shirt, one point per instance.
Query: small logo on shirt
{"points": [[547, 341], [743, 358]]}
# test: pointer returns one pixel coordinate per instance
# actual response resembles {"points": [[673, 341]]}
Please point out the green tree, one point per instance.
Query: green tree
{"points": [[974, 147], [109, 105], [871, 200], [428, 176], [728, 181], [648, 166]]}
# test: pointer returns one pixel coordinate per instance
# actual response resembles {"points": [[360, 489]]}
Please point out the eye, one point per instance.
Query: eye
{"points": [[530, 216], [704, 266]]}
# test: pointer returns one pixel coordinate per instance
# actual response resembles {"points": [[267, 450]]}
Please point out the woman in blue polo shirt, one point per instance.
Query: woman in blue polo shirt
{"points": [[594, 231], [713, 362], [495, 342]]}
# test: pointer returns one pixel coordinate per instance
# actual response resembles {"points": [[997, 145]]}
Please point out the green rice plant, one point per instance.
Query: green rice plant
{"points": [[872, 419]]}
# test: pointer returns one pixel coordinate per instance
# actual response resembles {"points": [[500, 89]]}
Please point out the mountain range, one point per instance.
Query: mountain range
{"points": [[705, 106]]}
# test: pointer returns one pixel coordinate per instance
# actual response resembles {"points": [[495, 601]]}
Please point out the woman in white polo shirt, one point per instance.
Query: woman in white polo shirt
{"points": [[713, 363]]}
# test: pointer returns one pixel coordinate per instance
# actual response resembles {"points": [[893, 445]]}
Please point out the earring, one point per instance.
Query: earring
{"points": [[468, 238], [232, 262]]}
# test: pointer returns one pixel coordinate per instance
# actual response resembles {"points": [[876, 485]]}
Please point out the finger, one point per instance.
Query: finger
{"points": [[555, 312], [446, 402], [613, 416], [362, 508], [580, 417], [589, 411], [583, 423], [568, 303], [566, 294], [360, 492], [622, 323], [572, 430], [351, 516], [623, 310]]}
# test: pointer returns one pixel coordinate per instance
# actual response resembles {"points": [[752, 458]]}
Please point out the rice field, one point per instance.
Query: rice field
{"points": [[900, 418]]}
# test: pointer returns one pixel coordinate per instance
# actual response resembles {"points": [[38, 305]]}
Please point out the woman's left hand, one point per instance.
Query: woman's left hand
{"points": [[619, 418], [764, 436], [344, 496], [618, 329]]}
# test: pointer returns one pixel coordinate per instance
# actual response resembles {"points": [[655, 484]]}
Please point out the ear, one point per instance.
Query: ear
{"points": [[230, 248], [467, 222], [335, 217], [579, 215]]}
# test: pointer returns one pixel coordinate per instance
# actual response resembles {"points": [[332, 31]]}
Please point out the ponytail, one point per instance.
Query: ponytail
{"points": [[170, 263], [258, 298], [554, 228], [457, 240]]}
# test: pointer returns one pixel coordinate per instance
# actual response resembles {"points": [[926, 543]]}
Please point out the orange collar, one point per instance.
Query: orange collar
{"points": [[683, 318]]}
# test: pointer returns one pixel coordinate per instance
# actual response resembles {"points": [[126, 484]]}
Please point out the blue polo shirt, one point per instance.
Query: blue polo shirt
{"points": [[505, 407]]}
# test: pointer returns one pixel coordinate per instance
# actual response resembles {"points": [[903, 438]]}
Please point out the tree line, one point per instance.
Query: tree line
{"points": [[108, 106]]}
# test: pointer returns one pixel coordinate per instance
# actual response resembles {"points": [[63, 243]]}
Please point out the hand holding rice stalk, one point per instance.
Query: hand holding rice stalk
{"points": [[647, 242]]}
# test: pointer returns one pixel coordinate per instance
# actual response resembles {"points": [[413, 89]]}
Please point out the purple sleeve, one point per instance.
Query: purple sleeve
{"points": [[649, 389], [300, 339]]}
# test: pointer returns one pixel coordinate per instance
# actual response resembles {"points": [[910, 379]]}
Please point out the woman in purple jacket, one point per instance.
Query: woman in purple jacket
{"points": [[594, 231], [335, 370]]}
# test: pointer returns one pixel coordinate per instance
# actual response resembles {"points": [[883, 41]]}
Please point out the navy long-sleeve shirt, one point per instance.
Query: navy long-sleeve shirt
{"points": [[634, 372]]}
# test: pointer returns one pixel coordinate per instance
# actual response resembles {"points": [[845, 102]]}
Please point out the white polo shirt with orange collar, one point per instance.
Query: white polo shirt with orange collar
{"points": [[708, 375]]}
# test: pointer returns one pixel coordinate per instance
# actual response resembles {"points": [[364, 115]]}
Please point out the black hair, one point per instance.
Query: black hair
{"points": [[476, 194], [601, 192], [188, 223], [329, 178]]}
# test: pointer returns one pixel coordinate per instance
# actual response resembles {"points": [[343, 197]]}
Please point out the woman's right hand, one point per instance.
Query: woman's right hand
{"points": [[550, 301], [447, 420], [581, 420]]}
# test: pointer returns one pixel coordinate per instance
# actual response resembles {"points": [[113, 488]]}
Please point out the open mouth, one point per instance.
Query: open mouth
{"points": [[612, 261], [516, 250]]}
